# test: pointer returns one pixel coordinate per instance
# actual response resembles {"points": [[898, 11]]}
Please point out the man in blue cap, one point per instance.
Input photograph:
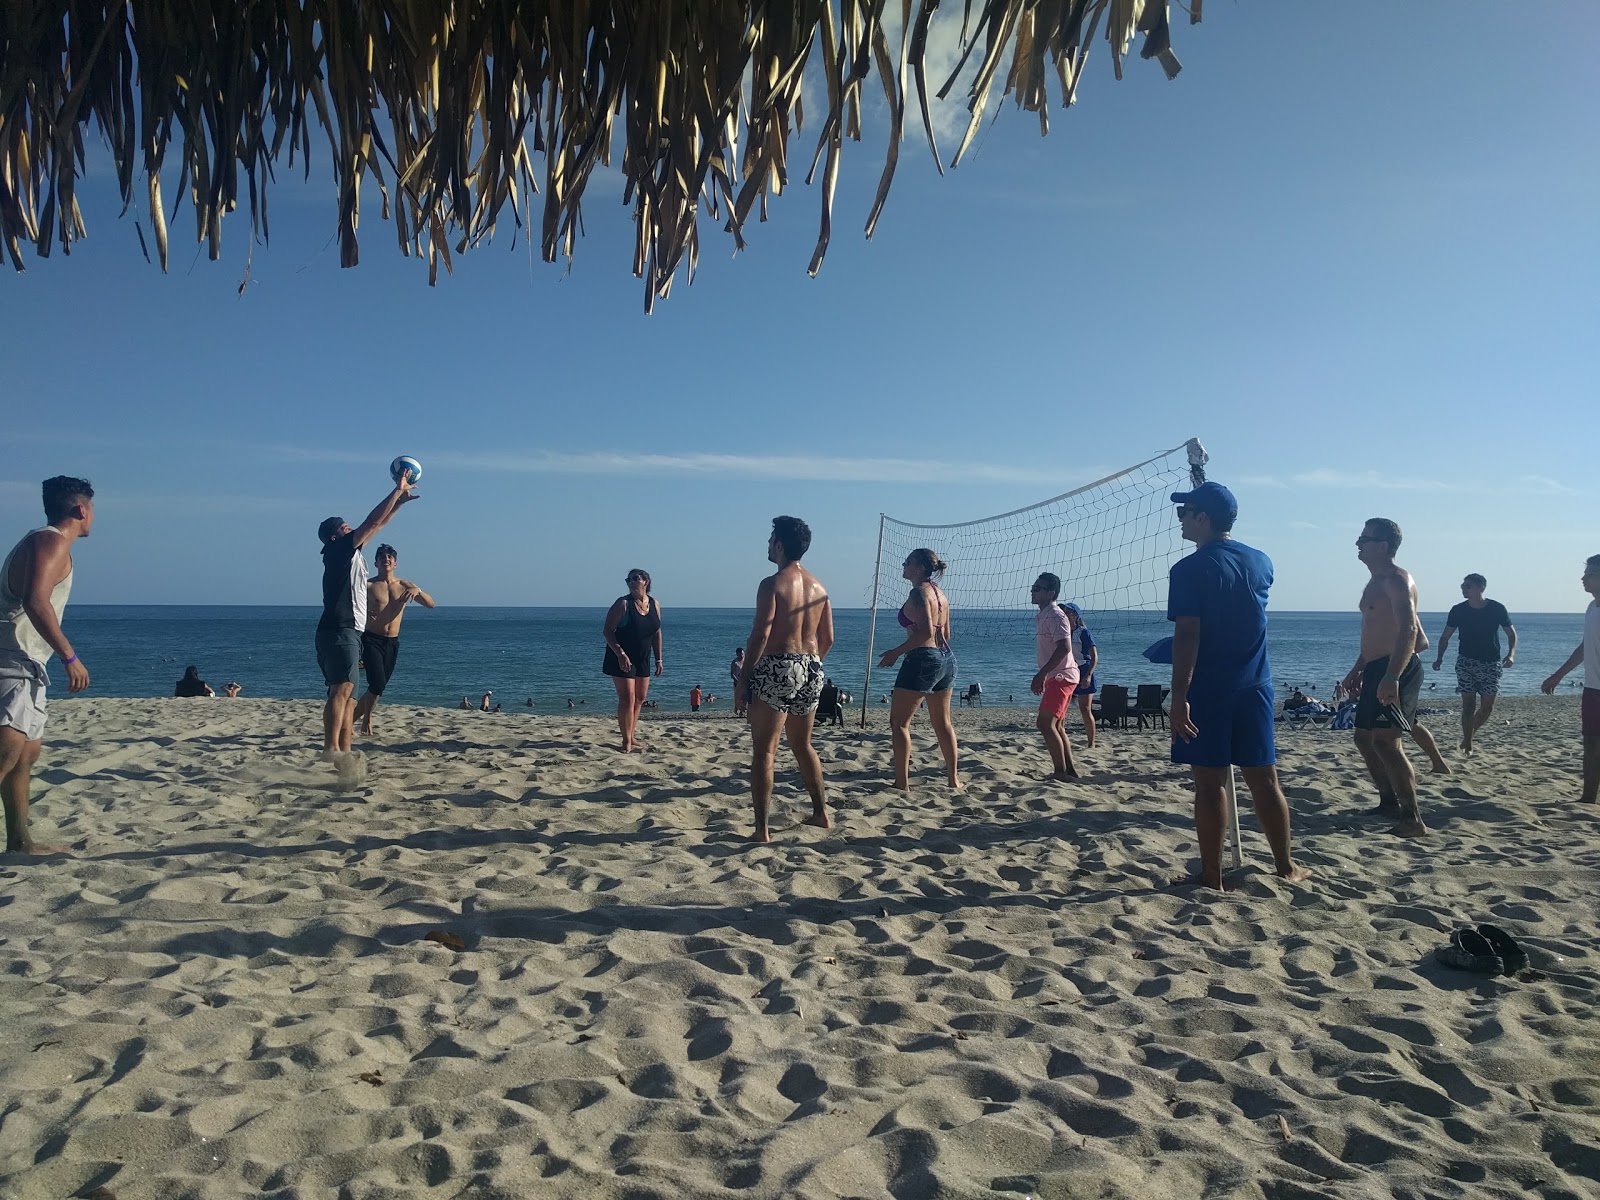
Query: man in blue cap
{"points": [[1221, 704]]}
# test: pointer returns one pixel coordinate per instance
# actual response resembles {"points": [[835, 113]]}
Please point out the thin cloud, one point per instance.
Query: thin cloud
{"points": [[1325, 477], [794, 467]]}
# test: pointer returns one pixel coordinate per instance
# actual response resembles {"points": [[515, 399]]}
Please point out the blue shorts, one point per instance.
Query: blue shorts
{"points": [[927, 669], [339, 656], [1235, 730], [1085, 685]]}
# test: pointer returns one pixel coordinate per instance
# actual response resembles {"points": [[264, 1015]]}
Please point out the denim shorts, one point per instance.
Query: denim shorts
{"points": [[927, 669], [339, 656]]}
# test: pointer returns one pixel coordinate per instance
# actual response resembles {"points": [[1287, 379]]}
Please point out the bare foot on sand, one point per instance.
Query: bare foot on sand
{"points": [[1295, 874], [1443, 768], [820, 820], [1413, 828], [32, 851], [761, 835], [1196, 881]]}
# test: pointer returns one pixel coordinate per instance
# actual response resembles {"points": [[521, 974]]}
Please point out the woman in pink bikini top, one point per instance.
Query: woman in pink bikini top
{"points": [[927, 666]]}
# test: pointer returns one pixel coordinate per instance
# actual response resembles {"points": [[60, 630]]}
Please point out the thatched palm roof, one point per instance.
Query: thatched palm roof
{"points": [[457, 109]]}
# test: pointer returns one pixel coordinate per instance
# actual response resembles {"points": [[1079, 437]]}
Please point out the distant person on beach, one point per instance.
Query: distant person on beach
{"points": [[344, 616], [1087, 655], [1478, 661], [927, 670], [387, 597], [1388, 675], [1221, 701], [782, 678], [35, 581], [694, 698], [484, 705], [1057, 675], [633, 633], [466, 704], [735, 672], [191, 685], [1587, 653], [231, 690]]}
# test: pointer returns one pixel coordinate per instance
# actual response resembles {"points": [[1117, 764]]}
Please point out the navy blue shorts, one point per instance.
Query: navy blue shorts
{"points": [[1235, 730], [1085, 686], [927, 669]]}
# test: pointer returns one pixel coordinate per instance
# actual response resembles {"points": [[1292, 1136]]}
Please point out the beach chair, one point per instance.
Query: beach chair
{"points": [[1114, 708], [973, 696], [829, 709], [1147, 705]]}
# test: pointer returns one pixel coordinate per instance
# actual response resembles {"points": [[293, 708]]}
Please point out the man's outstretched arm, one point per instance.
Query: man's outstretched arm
{"points": [[379, 517]]}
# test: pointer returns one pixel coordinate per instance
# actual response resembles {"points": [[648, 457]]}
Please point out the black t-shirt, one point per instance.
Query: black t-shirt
{"points": [[190, 687], [338, 604], [1479, 629]]}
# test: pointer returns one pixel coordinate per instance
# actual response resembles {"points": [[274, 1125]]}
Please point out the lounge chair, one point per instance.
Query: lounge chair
{"points": [[1147, 705], [1114, 708]]}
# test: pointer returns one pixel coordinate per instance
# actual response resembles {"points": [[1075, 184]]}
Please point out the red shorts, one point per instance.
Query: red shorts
{"points": [[1056, 698], [1591, 712]]}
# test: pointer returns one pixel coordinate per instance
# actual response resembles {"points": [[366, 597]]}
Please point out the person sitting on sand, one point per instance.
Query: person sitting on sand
{"points": [[782, 678], [191, 685], [1057, 674], [1221, 699], [387, 597], [466, 704], [230, 690], [1388, 674], [1587, 653], [35, 581]]}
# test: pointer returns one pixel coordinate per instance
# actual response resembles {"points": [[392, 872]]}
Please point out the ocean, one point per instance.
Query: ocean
{"points": [[551, 655]]}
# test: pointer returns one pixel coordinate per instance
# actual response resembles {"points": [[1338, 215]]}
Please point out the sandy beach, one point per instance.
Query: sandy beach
{"points": [[517, 963]]}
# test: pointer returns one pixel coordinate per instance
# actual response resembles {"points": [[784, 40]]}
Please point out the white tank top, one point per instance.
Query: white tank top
{"points": [[16, 627]]}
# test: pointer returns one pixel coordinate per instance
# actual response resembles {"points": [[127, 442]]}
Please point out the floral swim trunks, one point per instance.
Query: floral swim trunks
{"points": [[789, 683], [1475, 675]]}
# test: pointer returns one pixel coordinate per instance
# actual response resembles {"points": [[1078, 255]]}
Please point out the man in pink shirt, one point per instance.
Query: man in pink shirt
{"points": [[1057, 675]]}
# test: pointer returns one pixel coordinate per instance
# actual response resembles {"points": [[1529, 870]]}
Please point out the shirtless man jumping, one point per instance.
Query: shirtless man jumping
{"points": [[782, 675], [1388, 675], [34, 583], [387, 596]]}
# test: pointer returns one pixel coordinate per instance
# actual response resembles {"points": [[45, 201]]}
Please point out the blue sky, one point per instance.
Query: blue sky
{"points": [[1354, 253]]}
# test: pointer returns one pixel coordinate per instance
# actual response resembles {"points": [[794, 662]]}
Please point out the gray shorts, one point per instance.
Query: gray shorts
{"points": [[22, 695], [339, 656]]}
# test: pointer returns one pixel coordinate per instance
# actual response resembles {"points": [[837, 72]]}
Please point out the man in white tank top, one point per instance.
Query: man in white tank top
{"points": [[35, 580]]}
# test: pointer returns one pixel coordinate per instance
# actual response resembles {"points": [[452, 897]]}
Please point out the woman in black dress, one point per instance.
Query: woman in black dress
{"points": [[633, 634]]}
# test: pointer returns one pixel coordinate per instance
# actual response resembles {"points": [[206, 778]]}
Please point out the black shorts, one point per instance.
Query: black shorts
{"points": [[338, 653], [377, 655], [1372, 715], [639, 662]]}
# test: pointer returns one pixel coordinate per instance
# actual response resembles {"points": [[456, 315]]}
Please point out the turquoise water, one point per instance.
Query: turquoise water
{"points": [[551, 654]]}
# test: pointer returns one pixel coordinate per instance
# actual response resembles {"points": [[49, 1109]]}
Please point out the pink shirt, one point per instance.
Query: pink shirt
{"points": [[1051, 626]]}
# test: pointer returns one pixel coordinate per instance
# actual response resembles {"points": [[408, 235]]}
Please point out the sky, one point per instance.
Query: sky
{"points": [[1354, 253]]}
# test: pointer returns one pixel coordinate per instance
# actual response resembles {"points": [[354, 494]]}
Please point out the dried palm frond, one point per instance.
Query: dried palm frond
{"points": [[455, 108]]}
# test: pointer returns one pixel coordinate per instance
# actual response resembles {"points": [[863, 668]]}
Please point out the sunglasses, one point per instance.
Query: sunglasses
{"points": [[1363, 539], [1185, 511]]}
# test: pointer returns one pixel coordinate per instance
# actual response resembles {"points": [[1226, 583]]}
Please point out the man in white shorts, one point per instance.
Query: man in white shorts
{"points": [[35, 581]]}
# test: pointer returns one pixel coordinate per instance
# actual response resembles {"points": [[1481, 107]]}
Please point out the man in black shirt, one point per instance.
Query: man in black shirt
{"points": [[344, 615], [1478, 661]]}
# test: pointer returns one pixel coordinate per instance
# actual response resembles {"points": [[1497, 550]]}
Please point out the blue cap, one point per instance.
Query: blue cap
{"points": [[1210, 498], [1072, 607]]}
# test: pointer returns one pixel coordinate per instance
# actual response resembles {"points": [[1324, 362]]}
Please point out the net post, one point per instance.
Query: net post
{"points": [[1233, 820], [872, 624]]}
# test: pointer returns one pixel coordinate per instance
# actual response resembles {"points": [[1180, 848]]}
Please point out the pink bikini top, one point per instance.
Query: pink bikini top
{"points": [[906, 623]]}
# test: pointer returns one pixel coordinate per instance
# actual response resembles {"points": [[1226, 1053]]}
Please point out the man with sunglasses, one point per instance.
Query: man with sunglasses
{"points": [[1221, 703], [1387, 676]]}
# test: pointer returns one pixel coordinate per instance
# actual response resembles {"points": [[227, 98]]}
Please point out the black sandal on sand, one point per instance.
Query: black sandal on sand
{"points": [[1469, 950], [1507, 947]]}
